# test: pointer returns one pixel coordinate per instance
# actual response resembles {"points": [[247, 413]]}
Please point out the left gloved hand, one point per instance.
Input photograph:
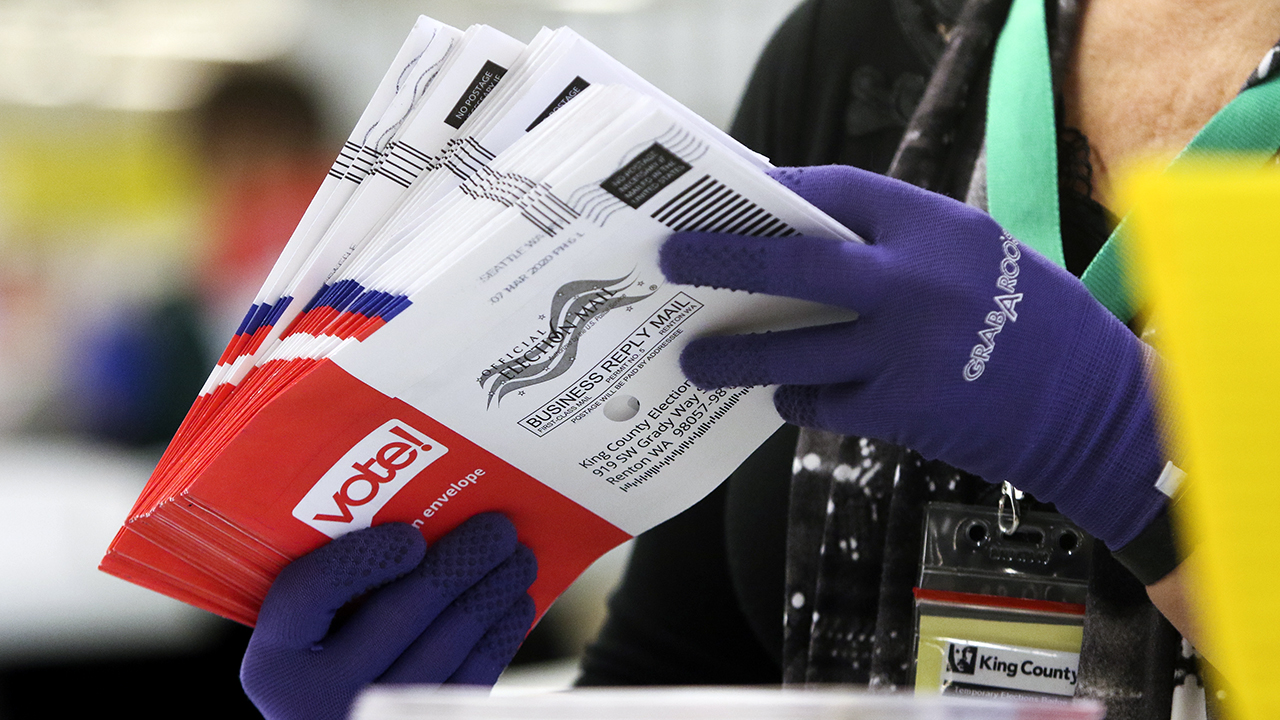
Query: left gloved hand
{"points": [[455, 612], [969, 347]]}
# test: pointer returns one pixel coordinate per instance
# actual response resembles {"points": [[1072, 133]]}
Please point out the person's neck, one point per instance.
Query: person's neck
{"points": [[1146, 75], [1202, 16]]}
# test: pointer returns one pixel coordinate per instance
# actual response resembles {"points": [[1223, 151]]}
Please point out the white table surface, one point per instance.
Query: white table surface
{"points": [[62, 503]]}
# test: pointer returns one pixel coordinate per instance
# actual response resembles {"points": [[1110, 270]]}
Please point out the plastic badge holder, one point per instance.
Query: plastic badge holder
{"points": [[996, 614]]}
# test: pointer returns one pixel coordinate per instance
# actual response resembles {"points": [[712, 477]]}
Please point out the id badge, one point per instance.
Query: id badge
{"points": [[999, 614]]}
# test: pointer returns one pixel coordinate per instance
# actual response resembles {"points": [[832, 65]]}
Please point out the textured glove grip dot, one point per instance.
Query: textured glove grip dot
{"points": [[796, 404], [720, 265], [359, 555]]}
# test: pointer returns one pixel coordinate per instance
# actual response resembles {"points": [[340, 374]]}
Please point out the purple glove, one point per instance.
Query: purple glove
{"points": [[453, 613], [969, 347]]}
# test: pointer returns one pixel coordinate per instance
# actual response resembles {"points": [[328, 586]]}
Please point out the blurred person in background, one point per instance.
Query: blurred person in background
{"points": [[259, 144], [262, 148], [261, 154]]}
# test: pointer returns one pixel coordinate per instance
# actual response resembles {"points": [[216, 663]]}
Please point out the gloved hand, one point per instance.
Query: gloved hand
{"points": [[969, 347], [455, 612]]}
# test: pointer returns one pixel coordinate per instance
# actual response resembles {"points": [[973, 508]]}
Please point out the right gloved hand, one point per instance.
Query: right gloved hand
{"points": [[452, 613], [968, 347]]}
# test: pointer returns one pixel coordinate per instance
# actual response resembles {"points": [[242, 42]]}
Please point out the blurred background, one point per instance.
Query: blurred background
{"points": [[154, 157]]}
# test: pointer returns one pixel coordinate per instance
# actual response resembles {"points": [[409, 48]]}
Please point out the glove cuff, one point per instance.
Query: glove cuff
{"points": [[1154, 552]]}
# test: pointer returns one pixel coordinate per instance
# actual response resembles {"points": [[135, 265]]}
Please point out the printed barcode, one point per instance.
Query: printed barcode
{"points": [[345, 158], [547, 212], [709, 205], [403, 163], [465, 157], [536, 202], [361, 165]]}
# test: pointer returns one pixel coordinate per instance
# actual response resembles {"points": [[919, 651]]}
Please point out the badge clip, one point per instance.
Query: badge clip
{"points": [[1008, 522]]}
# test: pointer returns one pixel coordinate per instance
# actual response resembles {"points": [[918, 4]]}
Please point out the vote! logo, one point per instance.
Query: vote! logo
{"points": [[351, 492]]}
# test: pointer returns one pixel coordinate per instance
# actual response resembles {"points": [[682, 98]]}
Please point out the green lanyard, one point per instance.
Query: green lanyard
{"points": [[1022, 149]]}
